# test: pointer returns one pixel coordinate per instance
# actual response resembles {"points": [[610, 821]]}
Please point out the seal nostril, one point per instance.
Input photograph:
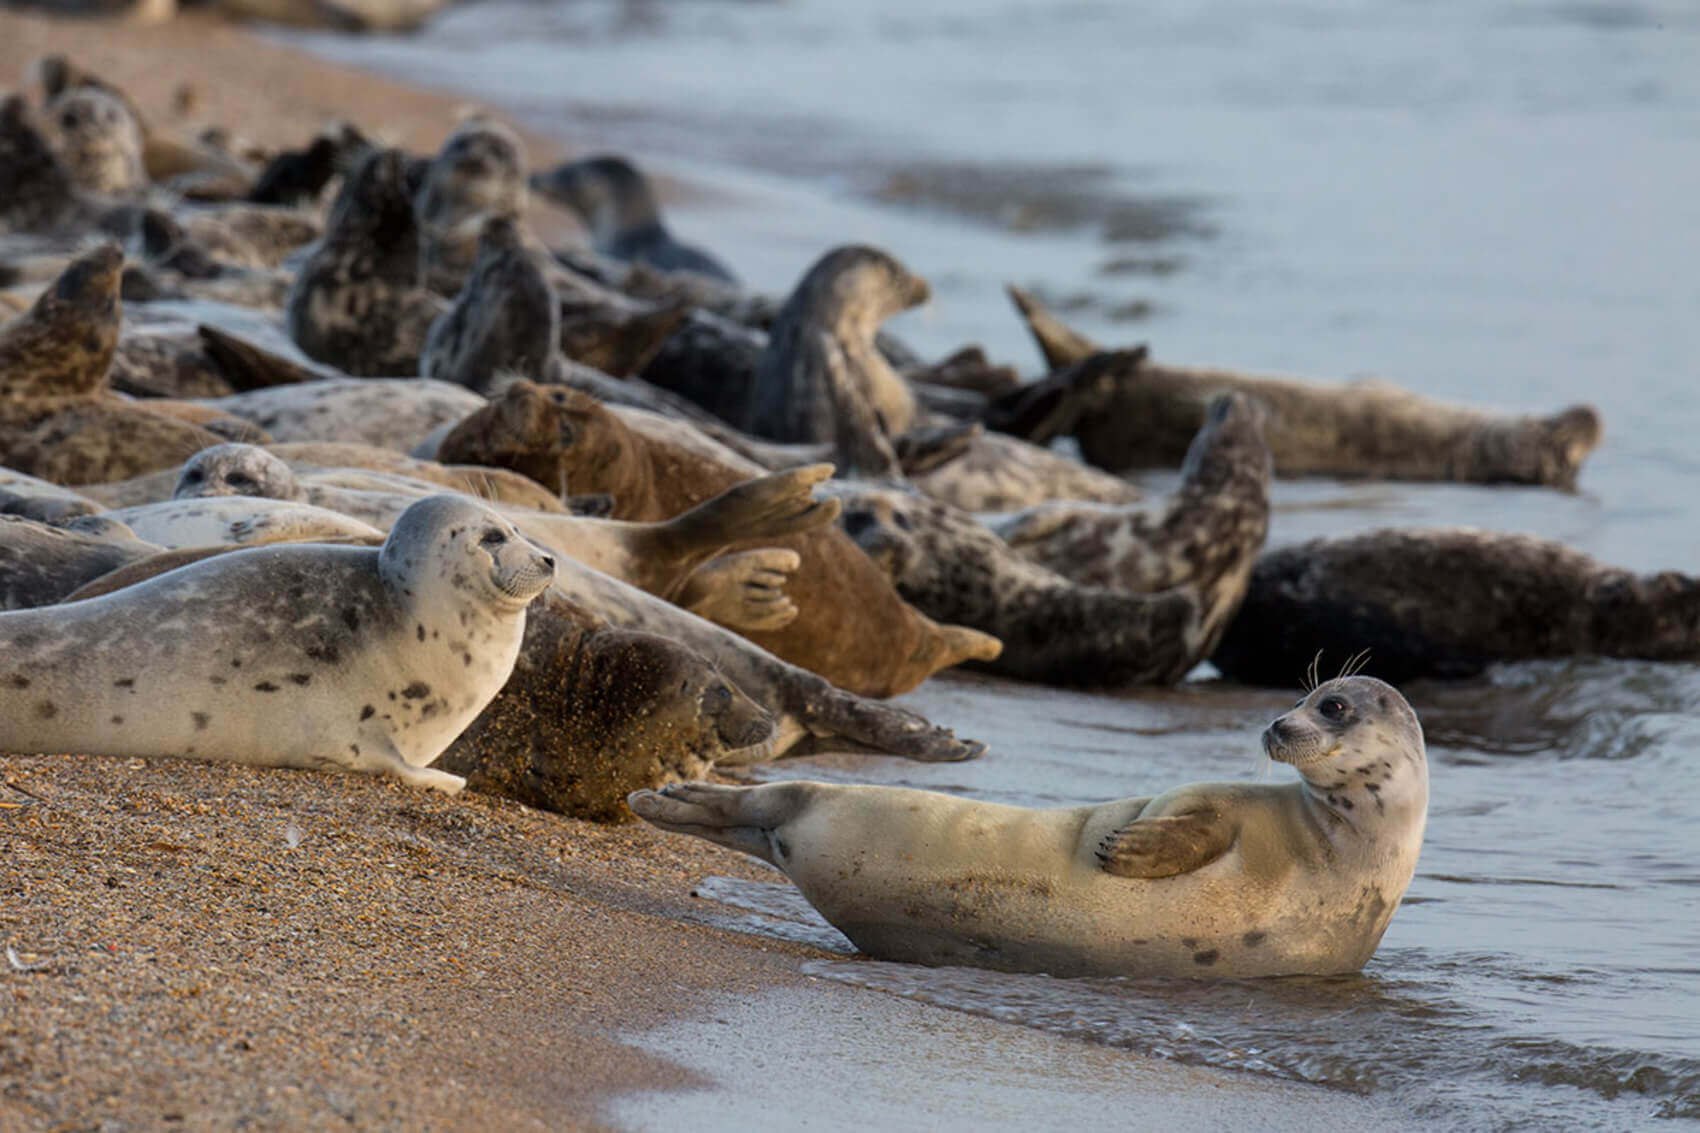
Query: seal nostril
{"points": [[549, 562]]}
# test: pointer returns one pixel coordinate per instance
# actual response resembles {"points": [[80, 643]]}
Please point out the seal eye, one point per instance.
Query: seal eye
{"points": [[193, 476], [240, 480], [716, 700], [1332, 709], [493, 538]]}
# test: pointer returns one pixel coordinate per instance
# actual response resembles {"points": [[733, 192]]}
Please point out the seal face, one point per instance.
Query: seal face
{"points": [[479, 174], [297, 656], [1207, 880], [99, 141]]}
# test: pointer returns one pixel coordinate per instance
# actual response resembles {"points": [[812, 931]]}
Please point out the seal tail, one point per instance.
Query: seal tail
{"points": [[740, 818]]}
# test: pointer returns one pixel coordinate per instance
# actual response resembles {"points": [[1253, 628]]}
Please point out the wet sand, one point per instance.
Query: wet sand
{"points": [[206, 946]]}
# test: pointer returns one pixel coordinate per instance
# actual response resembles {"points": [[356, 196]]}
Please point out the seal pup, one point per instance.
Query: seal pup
{"points": [[363, 659], [478, 175], [841, 300], [504, 321], [1448, 603], [615, 202], [1218, 880], [1134, 413], [99, 142], [851, 627], [358, 302]]}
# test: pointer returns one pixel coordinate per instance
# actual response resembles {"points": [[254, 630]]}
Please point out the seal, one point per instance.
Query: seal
{"points": [[368, 660], [1148, 601], [99, 142], [851, 627], [591, 714], [997, 472], [358, 302], [36, 191], [41, 563], [1217, 880], [58, 419], [659, 557], [841, 301], [615, 202], [1449, 602], [238, 521], [478, 175], [1130, 413], [505, 321], [392, 413]]}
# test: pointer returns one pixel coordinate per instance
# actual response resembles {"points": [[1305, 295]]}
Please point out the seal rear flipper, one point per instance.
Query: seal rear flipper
{"points": [[930, 448], [249, 367], [768, 507], [838, 721], [1061, 344], [1166, 846], [735, 817]]}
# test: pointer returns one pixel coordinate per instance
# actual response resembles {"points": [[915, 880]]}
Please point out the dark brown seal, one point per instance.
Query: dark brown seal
{"points": [[852, 627], [358, 302], [1448, 603]]}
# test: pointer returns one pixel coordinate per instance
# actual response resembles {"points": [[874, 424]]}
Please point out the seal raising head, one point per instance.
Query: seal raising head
{"points": [[99, 141], [1209, 879]]}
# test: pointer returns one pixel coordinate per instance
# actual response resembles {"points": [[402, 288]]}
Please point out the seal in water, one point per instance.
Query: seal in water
{"points": [[358, 303], [1227, 880], [1450, 602], [369, 660], [1128, 412], [840, 302], [616, 204], [851, 628], [1148, 602]]}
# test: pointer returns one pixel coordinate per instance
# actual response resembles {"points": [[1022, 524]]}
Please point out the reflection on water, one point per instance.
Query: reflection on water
{"points": [[1497, 203]]}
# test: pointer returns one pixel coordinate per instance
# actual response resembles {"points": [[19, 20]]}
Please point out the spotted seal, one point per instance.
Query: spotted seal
{"points": [[393, 413], [41, 562], [296, 656], [615, 202], [1448, 603], [358, 303], [1230, 880], [1149, 598]]}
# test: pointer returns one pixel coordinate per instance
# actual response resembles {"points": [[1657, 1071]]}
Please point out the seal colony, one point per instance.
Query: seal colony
{"points": [[325, 458]]}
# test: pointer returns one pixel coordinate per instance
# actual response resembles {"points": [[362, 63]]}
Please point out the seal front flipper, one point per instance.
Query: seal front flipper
{"points": [[374, 757], [1167, 846]]}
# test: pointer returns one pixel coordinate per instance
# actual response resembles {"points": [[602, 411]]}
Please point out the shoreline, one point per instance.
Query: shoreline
{"points": [[222, 945]]}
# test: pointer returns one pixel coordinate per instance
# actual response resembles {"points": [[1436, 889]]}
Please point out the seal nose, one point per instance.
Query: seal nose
{"points": [[548, 562]]}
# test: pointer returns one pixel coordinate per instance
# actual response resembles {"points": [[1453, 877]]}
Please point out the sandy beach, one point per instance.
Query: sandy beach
{"points": [[207, 946]]}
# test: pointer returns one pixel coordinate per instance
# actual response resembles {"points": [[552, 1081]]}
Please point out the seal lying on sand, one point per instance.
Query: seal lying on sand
{"points": [[841, 300], [592, 713], [1228, 880], [852, 627], [615, 202], [358, 302], [1450, 602], [306, 656], [1128, 412], [1145, 604]]}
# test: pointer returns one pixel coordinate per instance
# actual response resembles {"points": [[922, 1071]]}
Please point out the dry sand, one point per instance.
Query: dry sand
{"points": [[201, 946]]}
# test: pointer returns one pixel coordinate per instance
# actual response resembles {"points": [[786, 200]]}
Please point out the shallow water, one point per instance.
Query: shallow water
{"points": [[1497, 203]]}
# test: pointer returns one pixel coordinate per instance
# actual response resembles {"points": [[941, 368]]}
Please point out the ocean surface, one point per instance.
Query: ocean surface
{"points": [[1496, 203]]}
